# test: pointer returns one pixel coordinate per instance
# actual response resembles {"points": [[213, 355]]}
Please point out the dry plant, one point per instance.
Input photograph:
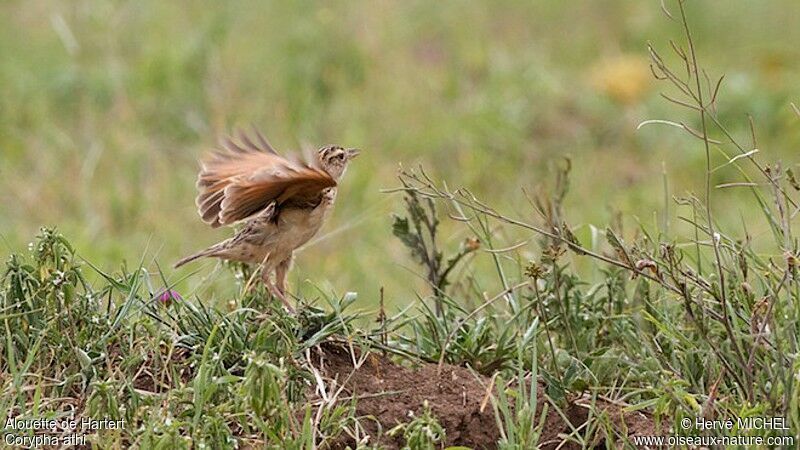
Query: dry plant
{"points": [[735, 345]]}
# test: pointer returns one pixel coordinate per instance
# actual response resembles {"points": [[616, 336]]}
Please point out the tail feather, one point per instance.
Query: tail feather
{"points": [[190, 258]]}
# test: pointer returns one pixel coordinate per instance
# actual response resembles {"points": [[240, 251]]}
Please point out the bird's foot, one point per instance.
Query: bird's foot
{"points": [[277, 293], [286, 304]]}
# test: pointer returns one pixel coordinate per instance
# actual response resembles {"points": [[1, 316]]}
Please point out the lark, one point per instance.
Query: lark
{"points": [[280, 202]]}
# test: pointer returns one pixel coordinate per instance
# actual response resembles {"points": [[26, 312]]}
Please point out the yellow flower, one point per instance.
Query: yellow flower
{"points": [[624, 78]]}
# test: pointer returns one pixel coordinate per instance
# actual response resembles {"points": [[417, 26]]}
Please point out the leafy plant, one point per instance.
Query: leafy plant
{"points": [[418, 232], [423, 432]]}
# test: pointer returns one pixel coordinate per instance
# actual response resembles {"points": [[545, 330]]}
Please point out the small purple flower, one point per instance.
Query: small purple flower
{"points": [[167, 297]]}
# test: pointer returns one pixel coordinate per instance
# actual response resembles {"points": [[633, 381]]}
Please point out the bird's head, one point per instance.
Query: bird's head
{"points": [[333, 159]]}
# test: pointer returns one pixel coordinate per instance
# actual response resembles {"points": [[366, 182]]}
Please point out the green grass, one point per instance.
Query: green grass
{"points": [[497, 256], [106, 106]]}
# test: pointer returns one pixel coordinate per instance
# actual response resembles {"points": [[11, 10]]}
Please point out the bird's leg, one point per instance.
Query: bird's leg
{"points": [[280, 274], [275, 291]]}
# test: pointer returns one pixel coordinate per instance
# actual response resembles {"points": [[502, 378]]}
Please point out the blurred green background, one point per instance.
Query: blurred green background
{"points": [[105, 106]]}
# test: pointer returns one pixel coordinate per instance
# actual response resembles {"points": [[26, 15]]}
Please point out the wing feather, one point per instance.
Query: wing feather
{"points": [[246, 176], [264, 143]]}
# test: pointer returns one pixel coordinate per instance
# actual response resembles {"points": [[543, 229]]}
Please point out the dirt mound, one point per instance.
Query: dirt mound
{"points": [[389, 394]]}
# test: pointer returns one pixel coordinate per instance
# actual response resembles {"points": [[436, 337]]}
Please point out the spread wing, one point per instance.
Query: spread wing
{"points": [[248, 175]]}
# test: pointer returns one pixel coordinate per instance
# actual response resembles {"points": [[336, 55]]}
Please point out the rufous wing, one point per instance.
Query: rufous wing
{"points": [[246, 176]]}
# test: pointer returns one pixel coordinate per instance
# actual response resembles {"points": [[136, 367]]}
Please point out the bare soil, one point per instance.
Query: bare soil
{"points": [[389, 394]]}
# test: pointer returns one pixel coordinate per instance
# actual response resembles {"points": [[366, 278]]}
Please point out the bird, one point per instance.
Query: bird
{"points": [[280, 202]]}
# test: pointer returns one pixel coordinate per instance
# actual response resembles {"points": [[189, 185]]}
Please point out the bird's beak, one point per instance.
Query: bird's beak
{"points": [[352, 153]]}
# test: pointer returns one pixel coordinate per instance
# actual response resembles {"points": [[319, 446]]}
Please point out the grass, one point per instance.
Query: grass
{"points": [[693, 312], [106, 107]]}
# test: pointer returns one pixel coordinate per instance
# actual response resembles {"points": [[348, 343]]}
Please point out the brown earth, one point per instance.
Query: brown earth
{"points": [[389, 394]]}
